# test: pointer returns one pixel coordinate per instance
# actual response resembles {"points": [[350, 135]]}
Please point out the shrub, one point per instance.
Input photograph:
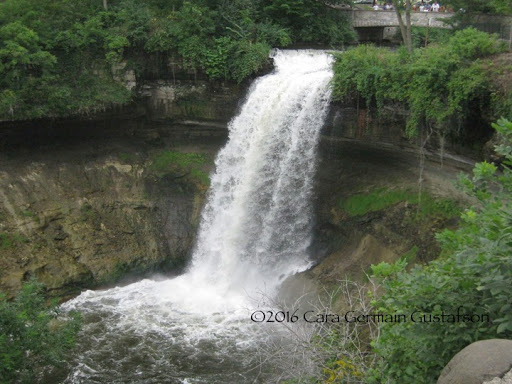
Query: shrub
{"points": [[32, 335]]}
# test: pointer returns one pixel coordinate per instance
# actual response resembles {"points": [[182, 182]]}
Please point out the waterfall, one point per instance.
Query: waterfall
{"points": [[255, 230], [258, 215]]}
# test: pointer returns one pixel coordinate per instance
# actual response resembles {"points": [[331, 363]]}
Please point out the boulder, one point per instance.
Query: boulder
{"points": [[478, 362]]}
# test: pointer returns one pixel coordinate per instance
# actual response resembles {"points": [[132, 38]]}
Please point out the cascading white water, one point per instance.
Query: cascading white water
{"points": [[255, 230], [258, 216]]}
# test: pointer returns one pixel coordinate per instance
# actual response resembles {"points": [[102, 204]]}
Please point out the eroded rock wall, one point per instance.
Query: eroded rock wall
{"points": [[86, 214], [79, 202]]}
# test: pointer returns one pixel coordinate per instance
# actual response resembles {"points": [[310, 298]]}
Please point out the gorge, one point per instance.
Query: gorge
{"points": [[211, 211], [136, 225]]}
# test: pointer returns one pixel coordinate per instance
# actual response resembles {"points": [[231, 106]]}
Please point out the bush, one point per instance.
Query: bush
{"points": [[32, 335]]}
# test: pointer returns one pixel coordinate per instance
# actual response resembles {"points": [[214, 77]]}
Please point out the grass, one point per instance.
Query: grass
{"points": [[435, 207], [169, 160], [8, 241], [376, 200], [186, 164], [30, 214], [382, 198]]}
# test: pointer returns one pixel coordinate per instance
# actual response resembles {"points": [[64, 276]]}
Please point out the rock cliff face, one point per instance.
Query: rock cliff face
{"points": [[80, 201], [348, 168], [88, 214]]}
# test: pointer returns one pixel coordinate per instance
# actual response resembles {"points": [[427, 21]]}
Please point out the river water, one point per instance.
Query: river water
{"points": [[255, 231]]}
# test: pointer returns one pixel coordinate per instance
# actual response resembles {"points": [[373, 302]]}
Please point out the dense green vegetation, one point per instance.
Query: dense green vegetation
{"points": [[440, 85], [375, 200], [61, 57], [473, 272], [32, 337], [471, 278]]}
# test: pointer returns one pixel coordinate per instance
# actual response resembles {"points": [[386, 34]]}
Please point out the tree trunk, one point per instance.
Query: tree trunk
{"points": [[405, 28], [105, 5], [408, 28]]}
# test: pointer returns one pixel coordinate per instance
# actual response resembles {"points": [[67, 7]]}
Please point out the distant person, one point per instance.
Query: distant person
{"points": [[435, 7], [376, 7], [422, 7]]}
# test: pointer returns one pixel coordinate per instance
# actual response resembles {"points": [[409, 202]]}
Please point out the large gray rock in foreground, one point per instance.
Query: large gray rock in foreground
{"points": [[478, 362]]}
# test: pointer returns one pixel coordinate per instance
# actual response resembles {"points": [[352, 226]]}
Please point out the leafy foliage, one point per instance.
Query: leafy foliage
{"points": [[62, 57], [31, 335], [9, 241], [437, 84], [422, 36], [474, 272], [309, 20], [481, 6], [48, 53]]}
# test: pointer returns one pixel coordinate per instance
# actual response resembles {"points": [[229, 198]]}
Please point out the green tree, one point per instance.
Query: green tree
{"points": [[310, 20], [22, 57], [32, 335], [65, 57], [188, 31]]}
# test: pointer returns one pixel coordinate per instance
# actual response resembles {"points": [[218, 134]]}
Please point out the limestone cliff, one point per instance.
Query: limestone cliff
{"points": [[81, 203], [88, 214]]}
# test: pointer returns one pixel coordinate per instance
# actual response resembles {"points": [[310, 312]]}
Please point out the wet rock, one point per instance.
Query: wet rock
{"points": [[60, 235]]}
